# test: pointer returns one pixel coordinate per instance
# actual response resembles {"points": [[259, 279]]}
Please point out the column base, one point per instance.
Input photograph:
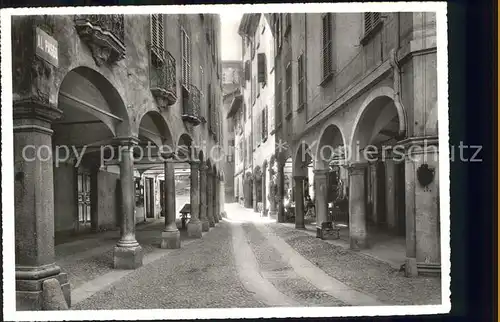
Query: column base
{"points": [[358, 243], [47, 293], [211, 224], [170, 239], [429, 269], [300, 226], [127, 257], [411, 267], [194, 229], [205, 226]]}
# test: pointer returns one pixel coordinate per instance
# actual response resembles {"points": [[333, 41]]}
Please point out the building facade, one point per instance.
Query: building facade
{"points": [[252, 175], [356, 103], [101, 102], [231, 88]]}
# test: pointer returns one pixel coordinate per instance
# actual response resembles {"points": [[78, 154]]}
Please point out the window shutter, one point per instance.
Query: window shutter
{"points": [[261, 67], [371, 20], [247, 70], [327, 45]]}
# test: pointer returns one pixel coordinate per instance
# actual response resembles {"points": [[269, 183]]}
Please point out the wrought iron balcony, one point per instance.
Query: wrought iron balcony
{"points": [[162, 79], [105, 36], [191, 109]]}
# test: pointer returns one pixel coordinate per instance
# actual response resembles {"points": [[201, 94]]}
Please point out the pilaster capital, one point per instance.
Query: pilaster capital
{"points": [[203, 167], [128, 141], [33, 116], [422, 141], [321, 172], [195, 164], [357, 168]]}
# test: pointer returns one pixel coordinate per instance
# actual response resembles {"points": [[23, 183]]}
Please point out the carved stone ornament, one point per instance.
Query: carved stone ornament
{"points": [[106, 47], [425, 175]]}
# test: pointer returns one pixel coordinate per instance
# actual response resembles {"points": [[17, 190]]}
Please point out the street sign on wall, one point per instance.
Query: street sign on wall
{"points": [[46, 47]]}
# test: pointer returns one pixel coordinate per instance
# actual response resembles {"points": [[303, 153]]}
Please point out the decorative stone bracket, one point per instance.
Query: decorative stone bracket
{"points": [[106, 46]]}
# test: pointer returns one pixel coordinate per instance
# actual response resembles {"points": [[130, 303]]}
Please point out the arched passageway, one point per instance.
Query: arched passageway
{"points": [[302, 184], [248, 190], [331, 179], [377, 175]]}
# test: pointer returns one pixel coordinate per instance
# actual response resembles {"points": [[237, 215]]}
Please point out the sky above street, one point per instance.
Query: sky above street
{"points": [[231, 41]]}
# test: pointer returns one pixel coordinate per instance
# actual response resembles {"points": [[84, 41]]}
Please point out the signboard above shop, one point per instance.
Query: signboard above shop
{"points": [[46, 47]]}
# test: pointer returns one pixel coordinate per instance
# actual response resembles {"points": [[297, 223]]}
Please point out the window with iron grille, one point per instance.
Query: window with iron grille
{"points": [[261, 68], [371, 19], [279, 111], [327, 47], [186, 56], [288, 23], [301, 79], [288, 84], [157, 38]]}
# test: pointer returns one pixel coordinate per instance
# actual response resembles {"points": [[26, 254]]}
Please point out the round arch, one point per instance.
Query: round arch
{"points": [[302, 159], [183, 147], [378, 106], [331, 142], [153, 127], [95, 94]]}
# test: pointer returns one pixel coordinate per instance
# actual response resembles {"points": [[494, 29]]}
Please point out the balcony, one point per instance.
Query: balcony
{"points": [[105, 36], [162, 81], [191, 112]]}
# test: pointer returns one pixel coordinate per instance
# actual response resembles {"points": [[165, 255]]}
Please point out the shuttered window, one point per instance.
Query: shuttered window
{"points": [[288, 84], [157, 36], [186, 56], [247, 70], [261, 67], [327, 46], [279, 111], [278, 35], [301, 81], [371, 19], [288, 23]]}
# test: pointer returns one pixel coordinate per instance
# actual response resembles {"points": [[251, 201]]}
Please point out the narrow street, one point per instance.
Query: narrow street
{"points": [[245, 261]]}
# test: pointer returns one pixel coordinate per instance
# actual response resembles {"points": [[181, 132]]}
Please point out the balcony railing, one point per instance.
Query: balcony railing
{"points": [[162, 79], [191, 108], [104, 34]]}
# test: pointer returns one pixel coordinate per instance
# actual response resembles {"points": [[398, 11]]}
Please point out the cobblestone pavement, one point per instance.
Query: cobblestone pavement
{"points": [[363, 273], [245, 261]]}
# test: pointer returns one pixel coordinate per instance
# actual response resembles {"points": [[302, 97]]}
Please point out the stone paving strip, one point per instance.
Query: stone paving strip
{"points": [[358, 271], [201, 274], [315, 275], [249, 272], [276, 270]]}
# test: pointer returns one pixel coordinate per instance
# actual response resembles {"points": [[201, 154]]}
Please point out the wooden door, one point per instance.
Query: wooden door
{"points": [[84, 203]]}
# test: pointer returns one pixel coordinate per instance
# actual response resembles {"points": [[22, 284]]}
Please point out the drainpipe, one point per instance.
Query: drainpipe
{"points": [[396, 67]]}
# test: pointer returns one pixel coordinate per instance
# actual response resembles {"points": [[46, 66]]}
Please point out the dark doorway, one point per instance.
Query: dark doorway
{"points": [[84, 200], [380, 195], [162, 197], [150, 201], [401, 198]]}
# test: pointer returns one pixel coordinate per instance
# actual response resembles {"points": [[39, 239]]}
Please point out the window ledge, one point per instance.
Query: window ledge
{"points": [[326, 79], [370, 34], [264, 139], [301, 107], [289, 115]]}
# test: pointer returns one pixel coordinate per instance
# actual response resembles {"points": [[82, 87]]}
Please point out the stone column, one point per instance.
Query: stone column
{"points": [[219, 197], [127, 253], [273, 212], [210, 199], [34, 206], [423, 243], [194, 226], [264, 193], [390, 193], [299, 202], [281, 192], [357, 206], [171, 236], [320, 181], [205, 225], [215, 197]]}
